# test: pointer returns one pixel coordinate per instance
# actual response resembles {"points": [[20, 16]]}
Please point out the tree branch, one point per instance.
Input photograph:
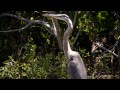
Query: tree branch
{"points": [[15, 16], [30, 22], [75, 17], [74, 21], [20, 29], [106, 50], [76, 38]]}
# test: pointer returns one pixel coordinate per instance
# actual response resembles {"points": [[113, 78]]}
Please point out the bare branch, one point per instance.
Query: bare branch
{"points": [[49, 28], [30, 22], [20, 29], [106, 50], [14, 16], [75, 17], [76, 38]]}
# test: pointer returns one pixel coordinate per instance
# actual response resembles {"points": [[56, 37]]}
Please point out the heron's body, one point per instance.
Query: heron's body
{"points": [[75, 65]]}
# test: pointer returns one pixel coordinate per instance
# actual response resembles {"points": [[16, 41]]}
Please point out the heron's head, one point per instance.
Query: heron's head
{"points": [[63, 17]]}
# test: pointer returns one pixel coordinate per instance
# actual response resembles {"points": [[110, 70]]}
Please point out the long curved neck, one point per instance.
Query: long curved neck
{"points": [[66, 44]]}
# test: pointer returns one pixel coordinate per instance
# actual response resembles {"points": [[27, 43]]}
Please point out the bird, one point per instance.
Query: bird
{"points": [[75, 66]]}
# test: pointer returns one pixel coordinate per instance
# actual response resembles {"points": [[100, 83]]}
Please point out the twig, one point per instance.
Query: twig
{"points": [[106, 50]]}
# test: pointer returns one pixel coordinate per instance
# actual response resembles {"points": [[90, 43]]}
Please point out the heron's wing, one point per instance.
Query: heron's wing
{"points": [[76, 68]]}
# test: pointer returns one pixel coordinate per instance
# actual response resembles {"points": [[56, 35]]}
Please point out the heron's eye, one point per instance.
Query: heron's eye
{"points": [[66, 17]]}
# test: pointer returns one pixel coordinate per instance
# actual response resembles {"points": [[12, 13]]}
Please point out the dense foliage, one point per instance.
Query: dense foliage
{"points": [[33, 53]]}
